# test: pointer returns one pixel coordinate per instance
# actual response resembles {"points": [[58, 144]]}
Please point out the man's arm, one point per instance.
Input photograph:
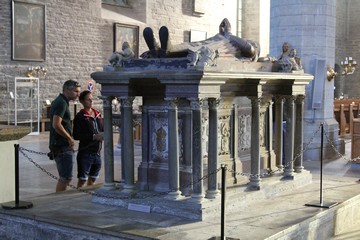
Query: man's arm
{"points": [[61, 130]]}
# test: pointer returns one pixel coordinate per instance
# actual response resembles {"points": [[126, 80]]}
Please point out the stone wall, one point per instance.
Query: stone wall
{"points": [[340, 52], [74, 46], [79, 36], [348, 40]]}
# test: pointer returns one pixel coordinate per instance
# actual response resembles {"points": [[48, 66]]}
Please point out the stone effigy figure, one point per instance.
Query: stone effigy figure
{"points": [[223, 44], [126, 53], [288, 61]]}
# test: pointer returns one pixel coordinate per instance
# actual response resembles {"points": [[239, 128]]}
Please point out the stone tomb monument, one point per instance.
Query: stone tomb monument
{"points": [[204, 104]]}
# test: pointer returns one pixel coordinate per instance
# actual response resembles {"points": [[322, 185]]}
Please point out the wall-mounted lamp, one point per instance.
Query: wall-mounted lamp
{"points": [[36, 72], [330, 73], [349, 66]]}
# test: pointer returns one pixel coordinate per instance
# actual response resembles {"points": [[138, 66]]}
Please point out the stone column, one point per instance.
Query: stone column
{"points": [[197, 153], [108, 144], [299, 134], [279, 118], [212, 191], [122, 142], [127, 146], [270, 138], [234, 140], [145, 142], [255, 143], [264, 153], [173, 149], [289, 137]]}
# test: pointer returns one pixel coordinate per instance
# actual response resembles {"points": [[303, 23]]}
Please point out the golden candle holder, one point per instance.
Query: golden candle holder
{"points": [[36, 72]]}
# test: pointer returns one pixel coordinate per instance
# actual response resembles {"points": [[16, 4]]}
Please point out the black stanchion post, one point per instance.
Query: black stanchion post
{"points": [[321, 203], [223, 199], [17, 204]]}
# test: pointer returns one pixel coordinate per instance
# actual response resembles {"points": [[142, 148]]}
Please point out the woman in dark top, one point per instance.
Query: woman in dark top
{"points": [[88, 128]]}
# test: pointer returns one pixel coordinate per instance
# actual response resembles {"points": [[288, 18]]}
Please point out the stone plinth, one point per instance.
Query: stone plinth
{"points": [[8, 138]]}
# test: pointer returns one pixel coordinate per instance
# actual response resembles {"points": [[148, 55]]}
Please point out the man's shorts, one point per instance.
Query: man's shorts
{"points": [[89, 165], [64, 163]]}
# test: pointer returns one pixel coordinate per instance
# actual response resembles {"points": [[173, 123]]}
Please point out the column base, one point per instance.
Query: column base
{"points": [[254, 183], [197, 198], [127, 188], [288, 177], [299, 169], [175, 195], [211, 194], [288, 174], [109, 186]]}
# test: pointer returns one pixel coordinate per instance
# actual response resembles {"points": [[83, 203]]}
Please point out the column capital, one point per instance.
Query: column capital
{"points": [[172, 103], [196, 103], [279, 99], [255, 101], [214, 103], [265, 101], [106, 101], [300, 99], [127, 101], [289, 98]]}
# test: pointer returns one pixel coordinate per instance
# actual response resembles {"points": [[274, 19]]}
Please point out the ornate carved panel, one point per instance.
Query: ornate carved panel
{"points": [[244, 132]]}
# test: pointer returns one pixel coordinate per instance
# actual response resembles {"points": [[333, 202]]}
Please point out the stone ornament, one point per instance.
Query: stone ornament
{"points": [[288, 61], [117, 58]]}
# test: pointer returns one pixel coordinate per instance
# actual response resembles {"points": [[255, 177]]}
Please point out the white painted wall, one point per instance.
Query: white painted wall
{"points": [[7, 171]]}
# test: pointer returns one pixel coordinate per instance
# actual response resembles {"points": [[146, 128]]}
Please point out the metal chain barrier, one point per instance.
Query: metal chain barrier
{"points": [[337, 151], [134, 196], [269, 173]]}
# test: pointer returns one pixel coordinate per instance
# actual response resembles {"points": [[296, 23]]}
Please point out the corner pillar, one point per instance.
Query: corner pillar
{"points": [[108, 144], [212, 191], [299, 139], [289, 137], [197, 153], [279, 131], [173, 149], [255, 143], [127, 146]]}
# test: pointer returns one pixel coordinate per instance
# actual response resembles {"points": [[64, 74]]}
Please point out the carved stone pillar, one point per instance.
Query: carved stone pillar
{"points": [[145, 147], [234, 140], [270, 136], [212, 191], [197, 151], [264, 153], [299, 139], [127, 146], [289, 137], [173, 148], [279, 118], [108, 144], [255, 143]]}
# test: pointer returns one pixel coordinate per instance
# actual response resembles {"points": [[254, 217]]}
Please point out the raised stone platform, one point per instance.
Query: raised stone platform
{"points": [[186, 207], [284, 216]]}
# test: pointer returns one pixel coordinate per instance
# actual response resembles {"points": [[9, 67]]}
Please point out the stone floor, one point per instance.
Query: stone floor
{"points": [[74, 214]]}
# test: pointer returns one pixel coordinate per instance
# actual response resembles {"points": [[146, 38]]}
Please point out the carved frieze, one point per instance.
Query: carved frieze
{"points": [[244, 136]]}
